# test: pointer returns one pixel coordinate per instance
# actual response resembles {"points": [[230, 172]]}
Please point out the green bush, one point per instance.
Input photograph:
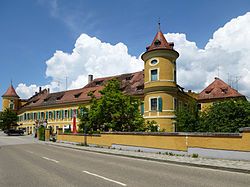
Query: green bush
{"points": [[41, 132]]}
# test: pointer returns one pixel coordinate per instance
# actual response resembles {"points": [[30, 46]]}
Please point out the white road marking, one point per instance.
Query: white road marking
{"points": [[30, 152], [153, 161], [50, 159], [105, 178]]}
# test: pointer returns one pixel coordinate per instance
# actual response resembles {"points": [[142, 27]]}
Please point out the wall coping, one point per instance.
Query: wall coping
{"points": [[195, 134], [79, 134], [175, 134], [245, 129]]}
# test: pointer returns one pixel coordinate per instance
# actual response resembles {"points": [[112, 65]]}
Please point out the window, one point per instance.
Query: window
{"points": [[50, 115], [140, 88], [129, 78], [98, 83], [199, 106], [42, 115], [175, 104], [78, 95], [11, 104], [153, 62], [153, 103], [57, 114], [66, 114], [157, 43], [174, 75], [154, 75], [156, 104]]}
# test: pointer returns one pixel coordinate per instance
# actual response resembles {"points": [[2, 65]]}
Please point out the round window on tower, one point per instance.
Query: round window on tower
{"points": [[153, 62]]}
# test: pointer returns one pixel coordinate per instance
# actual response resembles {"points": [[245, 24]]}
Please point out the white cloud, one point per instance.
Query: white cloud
{"points": [[89, 56], [229, 50], [23, 90]]}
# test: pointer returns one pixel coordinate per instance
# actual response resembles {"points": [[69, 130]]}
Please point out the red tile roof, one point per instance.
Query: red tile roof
{"points": [[218, 89], [11, 92], [160, 42], [131, 83]]}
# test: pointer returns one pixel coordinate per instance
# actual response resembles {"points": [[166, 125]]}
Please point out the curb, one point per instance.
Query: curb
{"points": [[245, 171]]}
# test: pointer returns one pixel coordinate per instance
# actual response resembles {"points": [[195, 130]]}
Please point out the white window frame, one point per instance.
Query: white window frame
{"points": [[13, 104], [158, 73], [156, 97], [152, 60]]}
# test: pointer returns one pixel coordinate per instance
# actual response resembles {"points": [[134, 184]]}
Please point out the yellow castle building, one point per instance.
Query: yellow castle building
{"points": [[156, 86]]}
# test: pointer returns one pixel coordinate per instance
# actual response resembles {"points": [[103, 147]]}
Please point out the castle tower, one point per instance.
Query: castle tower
{"points": [[160, 86], [10, 99]]}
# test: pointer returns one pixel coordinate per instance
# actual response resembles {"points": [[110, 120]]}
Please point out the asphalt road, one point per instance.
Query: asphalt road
{"points": [[25, 163]]}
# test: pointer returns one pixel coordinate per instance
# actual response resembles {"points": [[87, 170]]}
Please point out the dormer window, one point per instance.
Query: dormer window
{"points": [[157, 43], [208, 91], [97, 83], [78, 95], [129, 78], [59, 98], [141, 87], [224, 90]]}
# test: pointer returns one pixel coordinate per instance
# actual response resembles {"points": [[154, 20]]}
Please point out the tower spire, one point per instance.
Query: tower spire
{"points": [[159, 24]]}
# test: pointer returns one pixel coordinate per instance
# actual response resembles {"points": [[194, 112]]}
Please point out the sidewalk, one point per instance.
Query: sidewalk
{"points": [[227, 165]]}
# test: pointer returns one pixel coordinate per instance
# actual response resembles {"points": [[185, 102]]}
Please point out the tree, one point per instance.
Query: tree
{"points": [[84, 118], [113, 110], [8, 119], [187, 119], [227, 116]]}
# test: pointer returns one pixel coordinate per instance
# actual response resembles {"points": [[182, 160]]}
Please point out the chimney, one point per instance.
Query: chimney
{"points": [[90, 78], [40, 89], [48, 90], [189, 91]]}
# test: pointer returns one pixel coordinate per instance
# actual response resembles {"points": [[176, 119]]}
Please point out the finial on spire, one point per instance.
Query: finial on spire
{"points": [[159, 24], [10, 81]]}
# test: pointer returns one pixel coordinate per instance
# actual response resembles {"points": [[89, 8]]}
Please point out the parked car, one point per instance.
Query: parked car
{"points": [[14, 132]]}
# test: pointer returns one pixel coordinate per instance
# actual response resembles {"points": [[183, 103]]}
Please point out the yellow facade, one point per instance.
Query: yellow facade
{"points": [[162, 95], [55, 117], [170, 142], [7, 101]]}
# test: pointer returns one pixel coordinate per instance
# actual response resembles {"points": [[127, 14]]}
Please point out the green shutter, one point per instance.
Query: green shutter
{"points": [[38, 115], [62, 112], [142, 108], [71, 113], [160, 104], [47, 115]]}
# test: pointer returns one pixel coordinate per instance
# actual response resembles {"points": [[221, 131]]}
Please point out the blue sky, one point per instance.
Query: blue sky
{"points": [[32, 31]]}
